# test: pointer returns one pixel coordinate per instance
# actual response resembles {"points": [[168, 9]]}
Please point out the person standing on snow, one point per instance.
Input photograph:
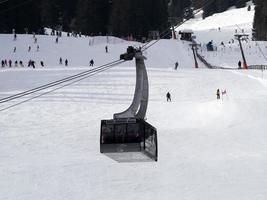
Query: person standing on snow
{"points": [[239, 64], [168, 95], [218, 94], [92, 62], [176, 65], [66, 62]]}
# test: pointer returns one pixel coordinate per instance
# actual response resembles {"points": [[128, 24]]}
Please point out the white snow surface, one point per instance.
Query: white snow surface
{"points": [[208, 148]]}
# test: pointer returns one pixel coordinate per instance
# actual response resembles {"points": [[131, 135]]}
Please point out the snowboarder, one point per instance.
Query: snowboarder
{"points": [[168, 95], [60, 61], [218, 94], [66, 62], [92, 62], [176, 65], [239, 64]]}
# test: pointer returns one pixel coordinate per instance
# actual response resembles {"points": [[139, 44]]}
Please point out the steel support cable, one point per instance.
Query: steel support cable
{"points": [[54, 83], [75, 81]]}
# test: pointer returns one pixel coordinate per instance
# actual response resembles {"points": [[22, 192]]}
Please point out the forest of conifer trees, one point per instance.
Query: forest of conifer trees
{"points": [[117, 17]]}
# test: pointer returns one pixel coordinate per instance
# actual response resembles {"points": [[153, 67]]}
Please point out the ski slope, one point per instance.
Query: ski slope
{"points": [[221, 28], [208, 148]]}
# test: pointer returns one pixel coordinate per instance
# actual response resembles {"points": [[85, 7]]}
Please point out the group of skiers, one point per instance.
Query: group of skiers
{"points": [[9, 63]]}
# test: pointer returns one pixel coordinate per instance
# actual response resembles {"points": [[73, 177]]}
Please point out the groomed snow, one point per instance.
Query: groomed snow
{"points": [[208, 148]]}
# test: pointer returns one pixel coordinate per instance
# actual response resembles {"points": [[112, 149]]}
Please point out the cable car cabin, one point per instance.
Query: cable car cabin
{"points": [[128, 140]]}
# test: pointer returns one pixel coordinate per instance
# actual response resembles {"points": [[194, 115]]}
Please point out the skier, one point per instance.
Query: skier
{"points": [[21, 63], [14, 50], [176, 65], [66, 62], [37, 48], [42, 63], [3, 63], [106, 48], [239, 64], [15, 36], [33, 64], [60, 61], [57, 40], [10, 63], [92, 62], [218, 94], [29, 49], [168, 95], [16, 63]]}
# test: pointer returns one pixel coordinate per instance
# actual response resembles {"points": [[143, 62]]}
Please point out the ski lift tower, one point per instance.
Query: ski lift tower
{"points": [[194, 47], [239, 37], [128, 137]]}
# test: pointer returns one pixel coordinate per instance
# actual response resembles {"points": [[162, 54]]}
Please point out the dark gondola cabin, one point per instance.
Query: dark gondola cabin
{"points": [[128, 137], [128, 140]]}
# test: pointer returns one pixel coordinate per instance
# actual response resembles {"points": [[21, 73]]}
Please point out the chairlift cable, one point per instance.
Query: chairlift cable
{"points": [[54, 83], [75, 81]]}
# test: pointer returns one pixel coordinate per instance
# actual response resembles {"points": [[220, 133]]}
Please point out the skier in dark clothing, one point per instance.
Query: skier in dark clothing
{"points": [[3, 63], [218, 94], [10, 63], [33, 64], [21, 63], [66, 62], [168, 95], [176, 65], [42, 63], [106, 47], [239, 64], [92, 62], [60, 61]]}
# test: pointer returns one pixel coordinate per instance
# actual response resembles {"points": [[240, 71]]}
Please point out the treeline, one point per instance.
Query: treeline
{"points": [[100, 17], [90, 17], [260, 20]]}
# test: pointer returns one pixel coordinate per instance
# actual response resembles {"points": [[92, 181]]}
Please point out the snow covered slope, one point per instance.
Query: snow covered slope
{"points": [[79, 52], [220, 29], [208, 148]]}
